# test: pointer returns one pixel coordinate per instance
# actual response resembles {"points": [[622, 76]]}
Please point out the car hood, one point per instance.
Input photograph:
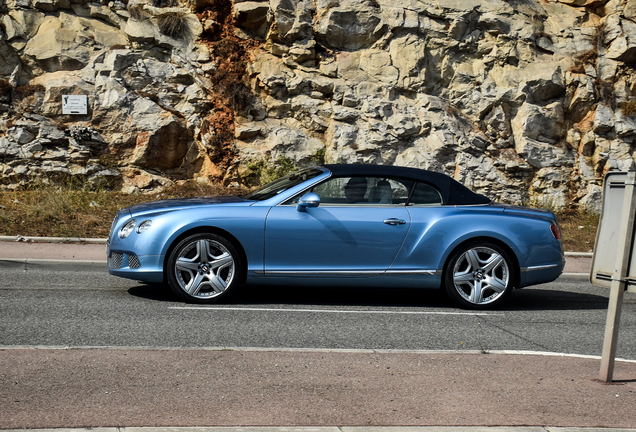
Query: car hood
{"points": [[182, 203]]}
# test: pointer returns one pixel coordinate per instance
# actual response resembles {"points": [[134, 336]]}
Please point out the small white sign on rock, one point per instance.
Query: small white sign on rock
{"points": [[74, 104]]}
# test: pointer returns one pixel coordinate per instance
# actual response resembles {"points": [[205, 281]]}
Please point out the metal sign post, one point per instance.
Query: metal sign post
{"points": [[615, 239]]}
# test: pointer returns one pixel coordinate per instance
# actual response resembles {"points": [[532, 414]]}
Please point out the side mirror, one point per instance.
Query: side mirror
{"points": [[308, 200]]}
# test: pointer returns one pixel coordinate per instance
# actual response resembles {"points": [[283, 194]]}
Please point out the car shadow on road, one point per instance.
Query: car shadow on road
{"points": [[308, 296], [519, 300], [546, 299]]}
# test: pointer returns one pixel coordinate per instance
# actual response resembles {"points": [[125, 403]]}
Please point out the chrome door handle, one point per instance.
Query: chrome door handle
{"points": [[394, 221]]}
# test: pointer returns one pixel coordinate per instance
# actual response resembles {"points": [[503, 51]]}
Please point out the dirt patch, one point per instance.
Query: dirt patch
{"points": [[231, 95]]}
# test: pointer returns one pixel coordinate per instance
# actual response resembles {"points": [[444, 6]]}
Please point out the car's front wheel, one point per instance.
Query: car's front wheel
{"points": [[203, 268], [479, 275]]}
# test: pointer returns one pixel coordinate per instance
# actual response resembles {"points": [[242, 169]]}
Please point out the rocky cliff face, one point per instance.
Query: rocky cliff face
{"points": [[526, 101]]}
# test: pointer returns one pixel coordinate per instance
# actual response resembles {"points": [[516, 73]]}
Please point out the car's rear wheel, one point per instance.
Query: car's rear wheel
{"points": [[479, 275], [203, 268]]}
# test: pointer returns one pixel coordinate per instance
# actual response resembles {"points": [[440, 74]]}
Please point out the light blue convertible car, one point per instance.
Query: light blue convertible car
{"points": [[340, 225]]}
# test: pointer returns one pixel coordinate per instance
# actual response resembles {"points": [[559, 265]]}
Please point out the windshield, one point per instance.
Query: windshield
{"points": [[282, 184]]}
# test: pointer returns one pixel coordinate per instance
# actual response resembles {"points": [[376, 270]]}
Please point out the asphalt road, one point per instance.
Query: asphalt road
{"points": [[80, 309], [129, 385]]}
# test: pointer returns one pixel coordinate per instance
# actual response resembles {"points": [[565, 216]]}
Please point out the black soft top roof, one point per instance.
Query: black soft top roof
{"points": [[453, 192]]}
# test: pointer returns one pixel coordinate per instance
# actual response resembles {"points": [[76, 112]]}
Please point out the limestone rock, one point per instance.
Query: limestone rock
{"points": [[162, 148], [22, 24], [67, 42], [621, 39], [252, 16], [349, 25], [58, 84], [525, 101], [292, 20], [51, 5], [603, 119]]}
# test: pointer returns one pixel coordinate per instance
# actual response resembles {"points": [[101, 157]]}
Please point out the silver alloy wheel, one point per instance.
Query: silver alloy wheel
{"points": [[204, 268], [481, 275]]}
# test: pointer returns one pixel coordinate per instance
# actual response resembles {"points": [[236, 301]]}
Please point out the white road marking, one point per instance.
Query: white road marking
{"points": [[331, 311], [307, 350]]}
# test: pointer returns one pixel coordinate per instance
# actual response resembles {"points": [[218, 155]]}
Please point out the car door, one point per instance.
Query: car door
{"points": [[348, 235]]}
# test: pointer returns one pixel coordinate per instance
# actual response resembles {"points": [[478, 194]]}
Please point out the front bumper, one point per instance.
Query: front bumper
{"points": [[146, 268]]}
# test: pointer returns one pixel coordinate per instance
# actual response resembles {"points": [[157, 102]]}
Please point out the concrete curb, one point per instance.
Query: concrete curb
{"points": [[53, 239], [334, 429], [30, 264], [580, 254], [575, 277]]}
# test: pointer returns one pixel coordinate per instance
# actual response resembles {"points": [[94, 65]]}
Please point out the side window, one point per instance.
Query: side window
{"points": [[401, 189], [360, 191], [343, 190], [425, 194]]}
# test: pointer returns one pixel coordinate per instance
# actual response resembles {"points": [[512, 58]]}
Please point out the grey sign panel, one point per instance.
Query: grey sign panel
{"points": [[606, 246], [74, 104]]}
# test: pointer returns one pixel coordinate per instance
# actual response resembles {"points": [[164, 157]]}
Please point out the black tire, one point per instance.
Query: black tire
{"points": [[479, 275], [204, 268]]}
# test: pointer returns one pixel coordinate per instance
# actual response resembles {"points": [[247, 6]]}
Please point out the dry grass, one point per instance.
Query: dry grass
{"points": [[578, 230], [172, 24], [629, 108], [61, 211], [5, 86]]}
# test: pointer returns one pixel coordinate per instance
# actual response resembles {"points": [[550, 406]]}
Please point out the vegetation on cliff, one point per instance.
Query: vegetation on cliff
{"points": [[79, 212]]}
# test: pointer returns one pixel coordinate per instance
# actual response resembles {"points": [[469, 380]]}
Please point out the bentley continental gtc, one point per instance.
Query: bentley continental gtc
{"points": [[340, 225]]}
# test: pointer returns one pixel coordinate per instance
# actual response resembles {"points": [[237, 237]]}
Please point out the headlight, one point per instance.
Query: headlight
{"points": [[127, 229], [144, 226]]}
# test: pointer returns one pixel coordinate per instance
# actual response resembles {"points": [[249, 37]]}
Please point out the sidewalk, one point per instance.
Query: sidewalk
{"points": [[335, 429], [134, 387], [72, 256], [124, 389]]}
